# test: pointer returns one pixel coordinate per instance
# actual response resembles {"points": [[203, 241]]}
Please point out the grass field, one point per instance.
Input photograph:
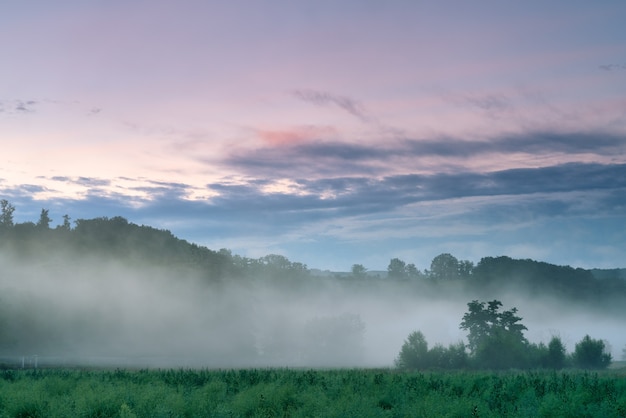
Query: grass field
{"points": [[310, 393]]}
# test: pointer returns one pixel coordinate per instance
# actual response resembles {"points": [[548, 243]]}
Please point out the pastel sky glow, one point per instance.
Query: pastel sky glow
{"points": [[331, 132]]}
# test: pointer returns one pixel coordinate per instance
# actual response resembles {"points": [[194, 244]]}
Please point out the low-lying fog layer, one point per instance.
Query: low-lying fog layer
{"points": [[118, 315]]}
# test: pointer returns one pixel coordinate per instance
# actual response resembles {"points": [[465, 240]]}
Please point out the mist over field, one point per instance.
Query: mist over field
{"points": [[188, 183], [98, 311]]}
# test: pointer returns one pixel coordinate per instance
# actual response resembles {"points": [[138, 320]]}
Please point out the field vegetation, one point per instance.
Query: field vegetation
{"points": [[310, 393]]}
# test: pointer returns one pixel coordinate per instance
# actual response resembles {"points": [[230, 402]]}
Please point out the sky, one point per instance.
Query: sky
{"points": [[333, 133]]}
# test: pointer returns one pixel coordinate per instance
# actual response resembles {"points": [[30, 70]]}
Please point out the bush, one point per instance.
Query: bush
{"points": [[591, 354], [556, 357], [414, 352], [415, 355]]}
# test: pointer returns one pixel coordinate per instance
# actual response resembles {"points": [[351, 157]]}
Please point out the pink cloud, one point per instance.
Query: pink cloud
{"points": [[293, 136]]}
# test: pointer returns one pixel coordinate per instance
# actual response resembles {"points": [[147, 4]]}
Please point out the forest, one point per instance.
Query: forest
{"points": [[122, 240], [110, 291]]}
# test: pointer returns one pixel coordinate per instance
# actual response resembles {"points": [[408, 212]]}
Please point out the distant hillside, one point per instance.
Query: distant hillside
{"points": [[118, 239], [609, 273], [109, 288]]}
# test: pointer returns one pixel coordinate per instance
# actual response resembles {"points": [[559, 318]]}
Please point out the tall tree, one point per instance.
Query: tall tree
{"points": [[6, 214], [556, 357], [66, 222], [496, 339], [444, 266], [414, 352], [359, 271], [466, 268], [44, 219], [591, 354], [396, 269], [412, 272]]}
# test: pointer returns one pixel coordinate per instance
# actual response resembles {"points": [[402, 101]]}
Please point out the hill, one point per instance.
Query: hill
{"points": [[110, 289], [118, 239]]}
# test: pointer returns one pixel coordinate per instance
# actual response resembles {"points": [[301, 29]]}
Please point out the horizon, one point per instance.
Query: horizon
{"points": [[322, 269], [332, 134]]}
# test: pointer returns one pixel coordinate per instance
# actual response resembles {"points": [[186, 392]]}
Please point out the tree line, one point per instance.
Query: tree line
{"points": [[125, 241], [496, 341], [495, 338], [122, 239]]}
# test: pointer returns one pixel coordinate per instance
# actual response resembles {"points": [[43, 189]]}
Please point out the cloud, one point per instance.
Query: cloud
{"points": [[489, 102], [82, 181], [445, 207], [295, 135], [332, 158], [25, 106], [365, 194], [314, 158], [17, 106], [321, 98], [612, 67]]}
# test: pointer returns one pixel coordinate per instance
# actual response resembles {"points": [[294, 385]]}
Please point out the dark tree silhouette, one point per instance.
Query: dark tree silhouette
{"points": [[396, 269], [6, 214], [591, 354], [496, 339], [358, 271], [44, 220], [444, 266], [556, 357], [414, 352]]}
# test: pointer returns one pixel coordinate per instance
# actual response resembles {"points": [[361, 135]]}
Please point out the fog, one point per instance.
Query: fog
{"points": [[74, 312]]}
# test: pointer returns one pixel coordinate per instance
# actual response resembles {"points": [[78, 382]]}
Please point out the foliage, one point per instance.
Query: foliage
{"points": [[466, 269], [556, 356], [123, 240], [399, 270], [496, 339], [412, 271], [66, 225], [396, 269], [359, 271], [44, 219], [535, 277], [306, 393], [591, 354], [415, 355], [6, 214], [414, 352], [444, 266]]}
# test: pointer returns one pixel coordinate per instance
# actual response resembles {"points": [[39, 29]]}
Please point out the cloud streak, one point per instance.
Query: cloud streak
{"points": [[454, 206], [17, 106], [612, 67], [352, 195], [322, 98], [325, 158]]}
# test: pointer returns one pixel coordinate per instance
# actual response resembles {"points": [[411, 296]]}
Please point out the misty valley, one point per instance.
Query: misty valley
{"points": [[106, 318], [106, 291]]}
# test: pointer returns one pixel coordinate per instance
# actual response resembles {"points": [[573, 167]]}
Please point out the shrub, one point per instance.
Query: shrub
{"points": [[414, 352], [591, 354]]}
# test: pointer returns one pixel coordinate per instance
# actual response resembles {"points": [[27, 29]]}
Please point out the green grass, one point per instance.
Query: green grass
{"points": [[310, 393]]}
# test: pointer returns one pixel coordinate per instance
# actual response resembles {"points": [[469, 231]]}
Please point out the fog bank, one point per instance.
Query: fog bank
{"points": [[118, 314]]}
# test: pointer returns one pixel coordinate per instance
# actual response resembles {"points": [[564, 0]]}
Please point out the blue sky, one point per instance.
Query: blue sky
{"points": [[333, 133]]}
